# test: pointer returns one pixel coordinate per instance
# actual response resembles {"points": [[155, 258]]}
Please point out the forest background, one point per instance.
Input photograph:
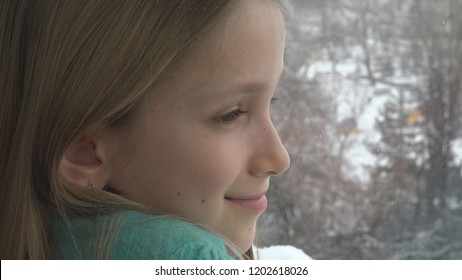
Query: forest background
{"points": [[370, 111]]}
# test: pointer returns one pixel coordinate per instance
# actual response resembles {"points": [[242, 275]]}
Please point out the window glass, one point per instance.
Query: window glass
{"points": [[371, 113]]}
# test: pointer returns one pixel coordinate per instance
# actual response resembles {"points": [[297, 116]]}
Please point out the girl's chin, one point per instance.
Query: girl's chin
{"points": [[246, 239]]}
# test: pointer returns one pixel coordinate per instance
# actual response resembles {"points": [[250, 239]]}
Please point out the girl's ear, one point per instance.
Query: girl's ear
{"points": [[86, 162]]}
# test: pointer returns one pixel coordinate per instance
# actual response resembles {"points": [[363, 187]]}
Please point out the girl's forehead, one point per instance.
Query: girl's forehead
{"points": [[243, 18], [239, 52]]}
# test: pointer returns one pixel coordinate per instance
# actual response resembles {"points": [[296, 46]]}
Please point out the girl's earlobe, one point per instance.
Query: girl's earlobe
{"points": [[85, 163]]}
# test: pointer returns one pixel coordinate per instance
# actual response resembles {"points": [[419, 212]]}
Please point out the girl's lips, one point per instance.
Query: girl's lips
{"points": [[258, 203]]}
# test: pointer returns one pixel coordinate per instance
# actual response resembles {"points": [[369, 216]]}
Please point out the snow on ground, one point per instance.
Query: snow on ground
{"points": [[357, 99], [457, 149], [280, 252]]}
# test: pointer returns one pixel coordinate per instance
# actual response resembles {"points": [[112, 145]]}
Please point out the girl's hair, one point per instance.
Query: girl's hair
{"points": [[67, 65]]}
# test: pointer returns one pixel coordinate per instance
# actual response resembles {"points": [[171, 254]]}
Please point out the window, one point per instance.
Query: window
{"points": [[371, 114]]}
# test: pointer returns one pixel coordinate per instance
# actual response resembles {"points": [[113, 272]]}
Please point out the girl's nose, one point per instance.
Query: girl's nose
{"points": [[270, 157]]}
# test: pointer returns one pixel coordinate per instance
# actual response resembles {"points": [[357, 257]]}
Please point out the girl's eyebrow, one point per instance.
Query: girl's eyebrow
{"points": [[238, 89], [256, 86]]}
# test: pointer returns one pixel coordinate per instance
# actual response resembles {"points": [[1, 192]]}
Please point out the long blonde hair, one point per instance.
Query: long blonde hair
{"points": [[66, 65]]}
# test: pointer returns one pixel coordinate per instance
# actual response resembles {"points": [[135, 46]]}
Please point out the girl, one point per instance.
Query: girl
{"points": [[116, 112]]}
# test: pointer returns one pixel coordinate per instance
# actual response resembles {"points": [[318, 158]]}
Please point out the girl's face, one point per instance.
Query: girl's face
{"points": [[207, 148]]}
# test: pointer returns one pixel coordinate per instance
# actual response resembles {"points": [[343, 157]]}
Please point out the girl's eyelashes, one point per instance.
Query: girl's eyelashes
{"points": [[231, 117]]}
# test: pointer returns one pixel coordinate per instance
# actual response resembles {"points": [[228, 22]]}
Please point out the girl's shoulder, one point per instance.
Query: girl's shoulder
{"points": [[137, 235], [166, 237]]}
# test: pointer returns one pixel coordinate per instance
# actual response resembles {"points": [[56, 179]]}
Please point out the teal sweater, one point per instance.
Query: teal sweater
{"points": [[138, 236]]}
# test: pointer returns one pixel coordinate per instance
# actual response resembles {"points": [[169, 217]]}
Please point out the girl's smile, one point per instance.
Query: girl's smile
{"points": [[257, 203]]}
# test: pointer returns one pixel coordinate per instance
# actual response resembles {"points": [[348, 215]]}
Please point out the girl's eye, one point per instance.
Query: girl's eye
{"points": [[231, 117]]}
